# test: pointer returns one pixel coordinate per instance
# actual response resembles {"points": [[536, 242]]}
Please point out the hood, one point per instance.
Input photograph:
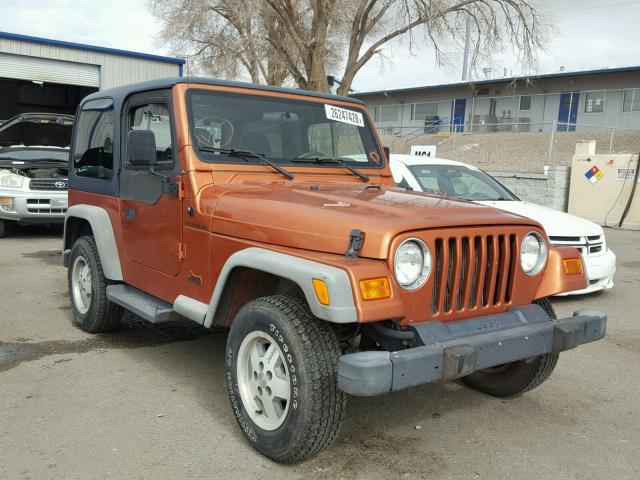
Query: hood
{"points": [[321, 217], [37, 129], [555, 222]]}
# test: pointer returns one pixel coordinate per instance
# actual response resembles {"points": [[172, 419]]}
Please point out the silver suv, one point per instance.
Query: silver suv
{"points": [[34, 166]]}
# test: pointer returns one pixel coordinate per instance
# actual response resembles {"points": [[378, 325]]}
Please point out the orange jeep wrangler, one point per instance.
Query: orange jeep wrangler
{"points": [[273, 212]]}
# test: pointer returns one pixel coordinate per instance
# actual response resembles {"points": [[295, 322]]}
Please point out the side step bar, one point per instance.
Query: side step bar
{"points": [[142, 304]]}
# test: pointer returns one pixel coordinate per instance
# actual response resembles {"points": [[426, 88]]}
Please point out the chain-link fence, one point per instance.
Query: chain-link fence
{"points": [[511, 146]]}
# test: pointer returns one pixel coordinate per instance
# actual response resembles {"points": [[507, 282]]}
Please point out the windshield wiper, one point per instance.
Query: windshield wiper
{"points": [[248, 154], [331, 160]]}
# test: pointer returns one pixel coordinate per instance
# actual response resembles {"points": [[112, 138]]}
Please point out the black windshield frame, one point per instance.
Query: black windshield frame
{"points": [[367, 133], [504, 192]]}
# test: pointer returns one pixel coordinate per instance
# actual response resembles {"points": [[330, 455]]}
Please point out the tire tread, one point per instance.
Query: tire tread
{"points": [[107, 314], [321, 352]]}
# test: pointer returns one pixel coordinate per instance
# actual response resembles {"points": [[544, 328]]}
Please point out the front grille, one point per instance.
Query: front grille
{"points": [[559, 238], [589, 245], [56, 184], [473, 271], [42, 205]]}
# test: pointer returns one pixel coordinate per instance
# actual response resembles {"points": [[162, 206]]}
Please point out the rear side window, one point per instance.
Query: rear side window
{"points": [[155, 117], [93, 147]]}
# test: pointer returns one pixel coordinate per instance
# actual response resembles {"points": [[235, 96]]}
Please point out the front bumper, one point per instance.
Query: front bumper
{"points": [[31, 206], [600, 271], [456, 349]]}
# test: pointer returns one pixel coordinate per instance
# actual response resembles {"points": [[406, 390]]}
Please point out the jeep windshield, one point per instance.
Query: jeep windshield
{"points": [[283, 130]]}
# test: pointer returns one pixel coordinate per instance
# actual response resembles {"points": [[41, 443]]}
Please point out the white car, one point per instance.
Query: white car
{"points": [[459, 180], [34, 165]]}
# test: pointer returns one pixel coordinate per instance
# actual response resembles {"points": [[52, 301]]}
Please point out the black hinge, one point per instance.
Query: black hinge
{"points": [[170, 188], [356, 239]]}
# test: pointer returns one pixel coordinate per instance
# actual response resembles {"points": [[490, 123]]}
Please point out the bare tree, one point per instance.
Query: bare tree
{"points": [[308, 39], [226, 38]]}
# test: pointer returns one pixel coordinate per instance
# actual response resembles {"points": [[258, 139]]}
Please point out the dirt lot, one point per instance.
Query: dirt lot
{"points": [[149, 402]]}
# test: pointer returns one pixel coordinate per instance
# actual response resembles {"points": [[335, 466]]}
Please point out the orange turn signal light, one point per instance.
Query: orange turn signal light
{"points": [[322, 292], [573, 266], [375, 288]]}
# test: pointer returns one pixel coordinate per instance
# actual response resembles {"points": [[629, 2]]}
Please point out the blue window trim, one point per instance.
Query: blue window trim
{"points": [[92, 48]]}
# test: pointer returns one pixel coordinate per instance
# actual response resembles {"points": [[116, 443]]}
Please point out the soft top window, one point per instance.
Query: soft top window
{"points": [[93, 147]]}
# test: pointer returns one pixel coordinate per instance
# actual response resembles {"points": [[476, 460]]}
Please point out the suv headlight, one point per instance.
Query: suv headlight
{"points": [[533, 253], [11, 180], [412, 264]]}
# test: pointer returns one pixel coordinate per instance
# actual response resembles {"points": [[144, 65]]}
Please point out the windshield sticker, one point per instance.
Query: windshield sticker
{"points": [[343, 115]]}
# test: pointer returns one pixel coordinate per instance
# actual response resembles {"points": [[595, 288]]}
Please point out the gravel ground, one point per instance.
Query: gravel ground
{"points": [[148, 402]]}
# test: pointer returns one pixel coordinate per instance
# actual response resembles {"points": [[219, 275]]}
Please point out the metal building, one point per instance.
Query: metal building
{"points": [[44, 75]]}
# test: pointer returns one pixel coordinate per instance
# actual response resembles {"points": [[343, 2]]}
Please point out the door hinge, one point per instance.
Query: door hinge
{"points": [[181, 188], [182, 251]]}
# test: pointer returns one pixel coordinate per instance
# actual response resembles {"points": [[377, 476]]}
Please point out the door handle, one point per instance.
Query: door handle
{"points": [[130, 213]]}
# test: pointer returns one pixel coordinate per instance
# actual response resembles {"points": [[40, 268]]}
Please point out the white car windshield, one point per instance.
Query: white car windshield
{"points": [[460, 182]]}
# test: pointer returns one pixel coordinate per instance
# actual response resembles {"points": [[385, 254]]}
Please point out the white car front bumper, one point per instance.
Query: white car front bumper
{"points": [[34, 206], [600, 271]]}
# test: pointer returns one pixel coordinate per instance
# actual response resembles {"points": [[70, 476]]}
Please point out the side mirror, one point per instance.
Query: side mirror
{"points": [[387, 153], [141, 148]]}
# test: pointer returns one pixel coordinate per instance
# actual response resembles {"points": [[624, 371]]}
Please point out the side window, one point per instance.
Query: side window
{"points": [[93, 147], [155, 118]]}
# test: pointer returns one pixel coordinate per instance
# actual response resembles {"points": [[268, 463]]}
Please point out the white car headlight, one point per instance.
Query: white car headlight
{"points": [[533, 253], [412, 264], [11, 180]]}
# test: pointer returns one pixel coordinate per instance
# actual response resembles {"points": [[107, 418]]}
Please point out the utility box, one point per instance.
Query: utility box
{"points": [[602, 189]]}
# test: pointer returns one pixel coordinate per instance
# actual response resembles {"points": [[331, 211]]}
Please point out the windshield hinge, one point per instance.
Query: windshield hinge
{"points": [[180, 188], [182, 251], [356, 239]]}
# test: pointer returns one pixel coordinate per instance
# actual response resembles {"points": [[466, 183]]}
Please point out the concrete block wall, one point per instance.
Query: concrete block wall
{"points": [[550, 188]]}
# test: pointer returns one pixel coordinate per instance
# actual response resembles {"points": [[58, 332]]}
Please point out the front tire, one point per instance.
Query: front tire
{"points": [[3, 228], [282, 366], [92, 311], [518, 377]]}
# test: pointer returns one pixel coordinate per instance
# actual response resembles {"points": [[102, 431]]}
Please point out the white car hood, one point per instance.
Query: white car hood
{"points": [[555, 222]]}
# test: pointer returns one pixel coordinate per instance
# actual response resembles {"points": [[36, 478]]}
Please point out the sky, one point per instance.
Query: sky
{"points": [[589, 34]]}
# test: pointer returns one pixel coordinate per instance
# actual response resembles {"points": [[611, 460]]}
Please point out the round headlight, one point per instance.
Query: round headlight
{"points": [[533, 253], [11, 180], [412, 264]]}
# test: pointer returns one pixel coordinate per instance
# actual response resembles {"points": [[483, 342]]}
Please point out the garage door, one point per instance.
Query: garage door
{"points": [[48, 70]]}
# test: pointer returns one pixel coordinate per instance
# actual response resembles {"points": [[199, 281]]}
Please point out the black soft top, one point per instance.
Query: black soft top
{"points": [[120, 94]]}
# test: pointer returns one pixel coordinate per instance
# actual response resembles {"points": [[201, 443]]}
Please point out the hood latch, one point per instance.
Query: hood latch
{"points": [[356, 239]]}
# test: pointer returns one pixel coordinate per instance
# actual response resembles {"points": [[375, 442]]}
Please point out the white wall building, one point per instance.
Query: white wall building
{"points": [[564, 101], [44, 75]]}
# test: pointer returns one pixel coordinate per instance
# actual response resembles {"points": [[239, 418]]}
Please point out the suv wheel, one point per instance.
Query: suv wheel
{"points": [[282, 366], [518, 377], [91, 309], [3, 228]]}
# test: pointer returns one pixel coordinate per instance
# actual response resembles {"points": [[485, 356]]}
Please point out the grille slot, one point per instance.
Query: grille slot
{"points": [[55, 184], [42, 205], [473, 272]]}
